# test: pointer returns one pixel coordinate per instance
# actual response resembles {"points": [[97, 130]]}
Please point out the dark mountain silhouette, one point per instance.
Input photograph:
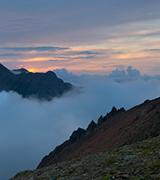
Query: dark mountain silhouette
{"points": [[43, 86], [4, 72], [18, 71], [116, 129]]}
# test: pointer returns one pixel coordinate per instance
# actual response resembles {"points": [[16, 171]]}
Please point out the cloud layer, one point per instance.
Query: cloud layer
{"points": [[31, 129], [41, 48]]}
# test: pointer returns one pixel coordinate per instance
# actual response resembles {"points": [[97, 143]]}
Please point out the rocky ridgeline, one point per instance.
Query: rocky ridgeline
{"points": [[77, 135], [109, 115], [116, 129], [139, 161]]}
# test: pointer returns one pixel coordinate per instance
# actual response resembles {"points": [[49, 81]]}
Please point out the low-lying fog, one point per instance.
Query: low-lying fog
{"points": [[30, 129]]}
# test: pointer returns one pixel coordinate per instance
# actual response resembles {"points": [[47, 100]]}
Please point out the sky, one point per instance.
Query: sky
{"points": [[87, 36]]}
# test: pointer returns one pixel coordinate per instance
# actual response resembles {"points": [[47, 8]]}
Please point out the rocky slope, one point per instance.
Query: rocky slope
{"points": [[43, 86], [139, 161], [116, 129]]}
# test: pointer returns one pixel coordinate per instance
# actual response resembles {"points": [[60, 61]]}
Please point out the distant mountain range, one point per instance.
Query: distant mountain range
{"points": [[116, 129], [43, 86]]}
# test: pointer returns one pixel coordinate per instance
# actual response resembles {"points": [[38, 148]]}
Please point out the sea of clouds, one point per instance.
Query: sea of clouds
{"points": [[30, 129]]}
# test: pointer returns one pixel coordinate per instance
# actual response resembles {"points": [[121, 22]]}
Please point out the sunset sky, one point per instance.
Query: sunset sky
{"points": [[82, 36], [119, 40]]}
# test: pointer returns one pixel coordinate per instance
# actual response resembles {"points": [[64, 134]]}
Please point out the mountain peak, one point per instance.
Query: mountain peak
{"points": [[91, 126], [19, 71], [50, 73], [4, 71], [76, 135]]}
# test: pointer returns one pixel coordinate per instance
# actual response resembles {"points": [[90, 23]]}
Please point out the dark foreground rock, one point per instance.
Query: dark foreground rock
{"points": [[137, 161]]}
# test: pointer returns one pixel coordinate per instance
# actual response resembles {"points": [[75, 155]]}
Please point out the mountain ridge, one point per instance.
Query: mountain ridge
{"points": [[43, 86], [116, 129]]}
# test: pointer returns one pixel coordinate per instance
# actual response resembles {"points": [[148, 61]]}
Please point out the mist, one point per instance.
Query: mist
{"points": [[30, 129]]}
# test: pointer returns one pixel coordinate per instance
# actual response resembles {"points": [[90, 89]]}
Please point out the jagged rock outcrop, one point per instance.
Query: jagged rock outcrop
{"points": [[91, 127], [43, 86], [76, 135], [116, 129], [109, 115]]}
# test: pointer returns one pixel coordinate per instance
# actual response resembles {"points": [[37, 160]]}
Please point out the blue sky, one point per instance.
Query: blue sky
{"points": [[88, 35]]}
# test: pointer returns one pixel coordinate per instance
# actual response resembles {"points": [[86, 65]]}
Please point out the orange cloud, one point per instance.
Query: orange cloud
{"points": [[35, 59]]}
